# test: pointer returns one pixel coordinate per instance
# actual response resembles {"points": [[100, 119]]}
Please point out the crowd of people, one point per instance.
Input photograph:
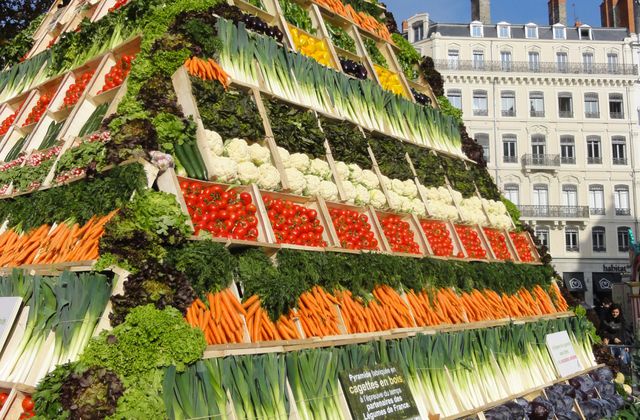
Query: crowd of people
{"points": [[614, 330]]}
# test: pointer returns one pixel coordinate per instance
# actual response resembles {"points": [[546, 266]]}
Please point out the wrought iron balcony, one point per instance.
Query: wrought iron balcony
{"points": [[508, 112], [623, 249], [592, 115], [541, 160], [566, 160], [623, 212], [597, 212], [616, 115], [555, 212], [527, 67], [566, 114], [510, 159], [480, 112], [619, 161], [599, 249], [573, 248], [535, 113], [594, 160]]}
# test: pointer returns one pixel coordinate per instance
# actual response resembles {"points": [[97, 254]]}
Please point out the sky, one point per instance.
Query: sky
{"points": [[512, 11]]}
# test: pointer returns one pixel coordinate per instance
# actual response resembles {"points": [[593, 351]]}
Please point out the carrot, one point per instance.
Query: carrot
{"points": [[234, 302]]}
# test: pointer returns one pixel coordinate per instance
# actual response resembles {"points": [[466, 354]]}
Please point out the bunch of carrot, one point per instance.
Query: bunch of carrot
{"points": [[363, 20], [207, 70], [47, 245], [557, 298], [219, 318], [260, 326], [317, 313]]}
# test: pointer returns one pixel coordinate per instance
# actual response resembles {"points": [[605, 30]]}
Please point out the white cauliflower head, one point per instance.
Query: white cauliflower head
{"points": [[297, 183], [386, 181], [397, 186], [259, 154], [269, 177], [320, 168], [214, 142], [395, 203], [224, 169], [410, 189], [349, 190], [284, 156], [406, 205], [328, 190], [369, 179], [343, 170], [313, 185], [362, 195], [300, 161], [248, 173], [355, 172], [377, 198], [417, 207], [237, 149]]}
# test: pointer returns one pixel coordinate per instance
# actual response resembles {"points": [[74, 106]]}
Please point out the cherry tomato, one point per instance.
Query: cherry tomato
{"points": [[27, 404]]}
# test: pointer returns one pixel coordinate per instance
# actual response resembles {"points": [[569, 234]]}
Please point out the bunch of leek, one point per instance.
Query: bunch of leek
{"points": [[237, 54], [22, 76]]}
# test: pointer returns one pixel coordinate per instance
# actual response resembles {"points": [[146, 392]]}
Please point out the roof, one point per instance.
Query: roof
{"points": [[460, 30]]}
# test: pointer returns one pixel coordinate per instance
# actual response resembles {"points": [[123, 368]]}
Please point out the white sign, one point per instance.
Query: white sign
{"points": [[563, 354], [9, 307]]}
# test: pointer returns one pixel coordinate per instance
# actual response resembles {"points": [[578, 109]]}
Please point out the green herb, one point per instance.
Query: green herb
{"points": [[407, 56], [297, 16], [390, 155], [347, 142], [88, 153], [12, 51], [427, 166], [374, 53], [341, 38], [201, 30], [295, 129], [94, 392], [461, 179]]}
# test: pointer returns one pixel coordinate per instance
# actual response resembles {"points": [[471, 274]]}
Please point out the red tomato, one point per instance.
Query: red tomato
{"points": [[27, 404], [3, 398]]}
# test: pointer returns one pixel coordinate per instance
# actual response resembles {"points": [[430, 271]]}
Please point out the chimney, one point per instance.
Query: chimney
{"points": [[481, 11], [405, 26], [558, 12]]}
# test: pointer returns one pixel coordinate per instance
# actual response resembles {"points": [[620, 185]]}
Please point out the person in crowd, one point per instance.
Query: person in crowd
{"points": [[614, 332], [604, 308]]}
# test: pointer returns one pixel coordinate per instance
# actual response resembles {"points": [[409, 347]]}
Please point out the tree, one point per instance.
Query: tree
{"points": [[15, 15]]}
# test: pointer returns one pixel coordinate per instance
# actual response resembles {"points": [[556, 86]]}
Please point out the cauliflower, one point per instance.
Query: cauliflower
{"points": [[350, 191], [417, 207], [320, 168], [313, 185], [237, 149], [397, 186], [297, 183], [248, 173], [214, 142], [343, 170], [410, 189], [224, 169], [386, 181], [405, 204], [500, 221], [430, 194], [328, 191], [284, 156], [300, 161], [362, 195], [369, 179], [355, 172], [259, 154], [269, 177], [394, 200], [456, 196], [378, 200]]}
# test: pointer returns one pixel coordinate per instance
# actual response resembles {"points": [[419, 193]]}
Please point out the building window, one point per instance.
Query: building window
{"points": [[623, 239], [508, 103], [480, 104], [509, 148], [591, 105], [483, 140], [418, 31], [612, 63], [534, 61], [562, 62], [565, 105], [536, 103], [541, 199], [621, 199], [476, 30], [505, 60], [570, 199], [454, 59], [584, 32], [598, 238], [596, 200], [455, 98], [542, 233], [567, 150], [593, 150], [478, 59], [531, 31], [504, 31], [538, 147], [571, 239], [619, 145], [559, 32], [587, 62], [512, 193], [616, 110]]}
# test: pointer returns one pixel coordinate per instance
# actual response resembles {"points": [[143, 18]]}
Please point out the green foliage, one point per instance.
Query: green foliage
{"points": [[460, 178], [79, 200], [374, 53], [13, 50], [447, 109], [297, 16], [408, 56], [513, 211], [295, 129], [172, 130], [83, 155], [390, 155], [341, 38], [427, 166], [347, 142], [47, 395]]}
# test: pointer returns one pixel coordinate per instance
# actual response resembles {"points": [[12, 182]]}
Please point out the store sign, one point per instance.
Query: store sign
{"points": [[378, 393], [574, 282], [616, 268], [9, 307], [563, 354]]}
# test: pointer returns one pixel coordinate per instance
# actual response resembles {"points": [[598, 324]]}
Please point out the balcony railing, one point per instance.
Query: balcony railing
{"points": [[508, 113], [594, 160], [623, 212], [619, 161], [597, 212], [566, 114], [480, 112], [541, 160], [616, 115], [568, 160], [559, 212], [510, 159], [599, 249], [571, 248], [526, 67], [592, 115], [535, 113], [623, 249]]}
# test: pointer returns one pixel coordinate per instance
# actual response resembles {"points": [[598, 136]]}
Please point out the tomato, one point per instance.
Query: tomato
{"points": [[3, 398], [438, 236], [246, 198], [471, 241], [27, 404]]}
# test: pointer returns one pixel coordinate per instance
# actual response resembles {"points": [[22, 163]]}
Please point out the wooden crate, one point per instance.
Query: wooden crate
{"points": [[514, 256], [13, 406], [457, 248], [370, 213], [484, 245], [529, 240], [414, 226]]}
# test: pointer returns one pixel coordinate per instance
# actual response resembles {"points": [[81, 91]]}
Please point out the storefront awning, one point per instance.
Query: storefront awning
{"points": [[574, 282], [603, 282]]}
